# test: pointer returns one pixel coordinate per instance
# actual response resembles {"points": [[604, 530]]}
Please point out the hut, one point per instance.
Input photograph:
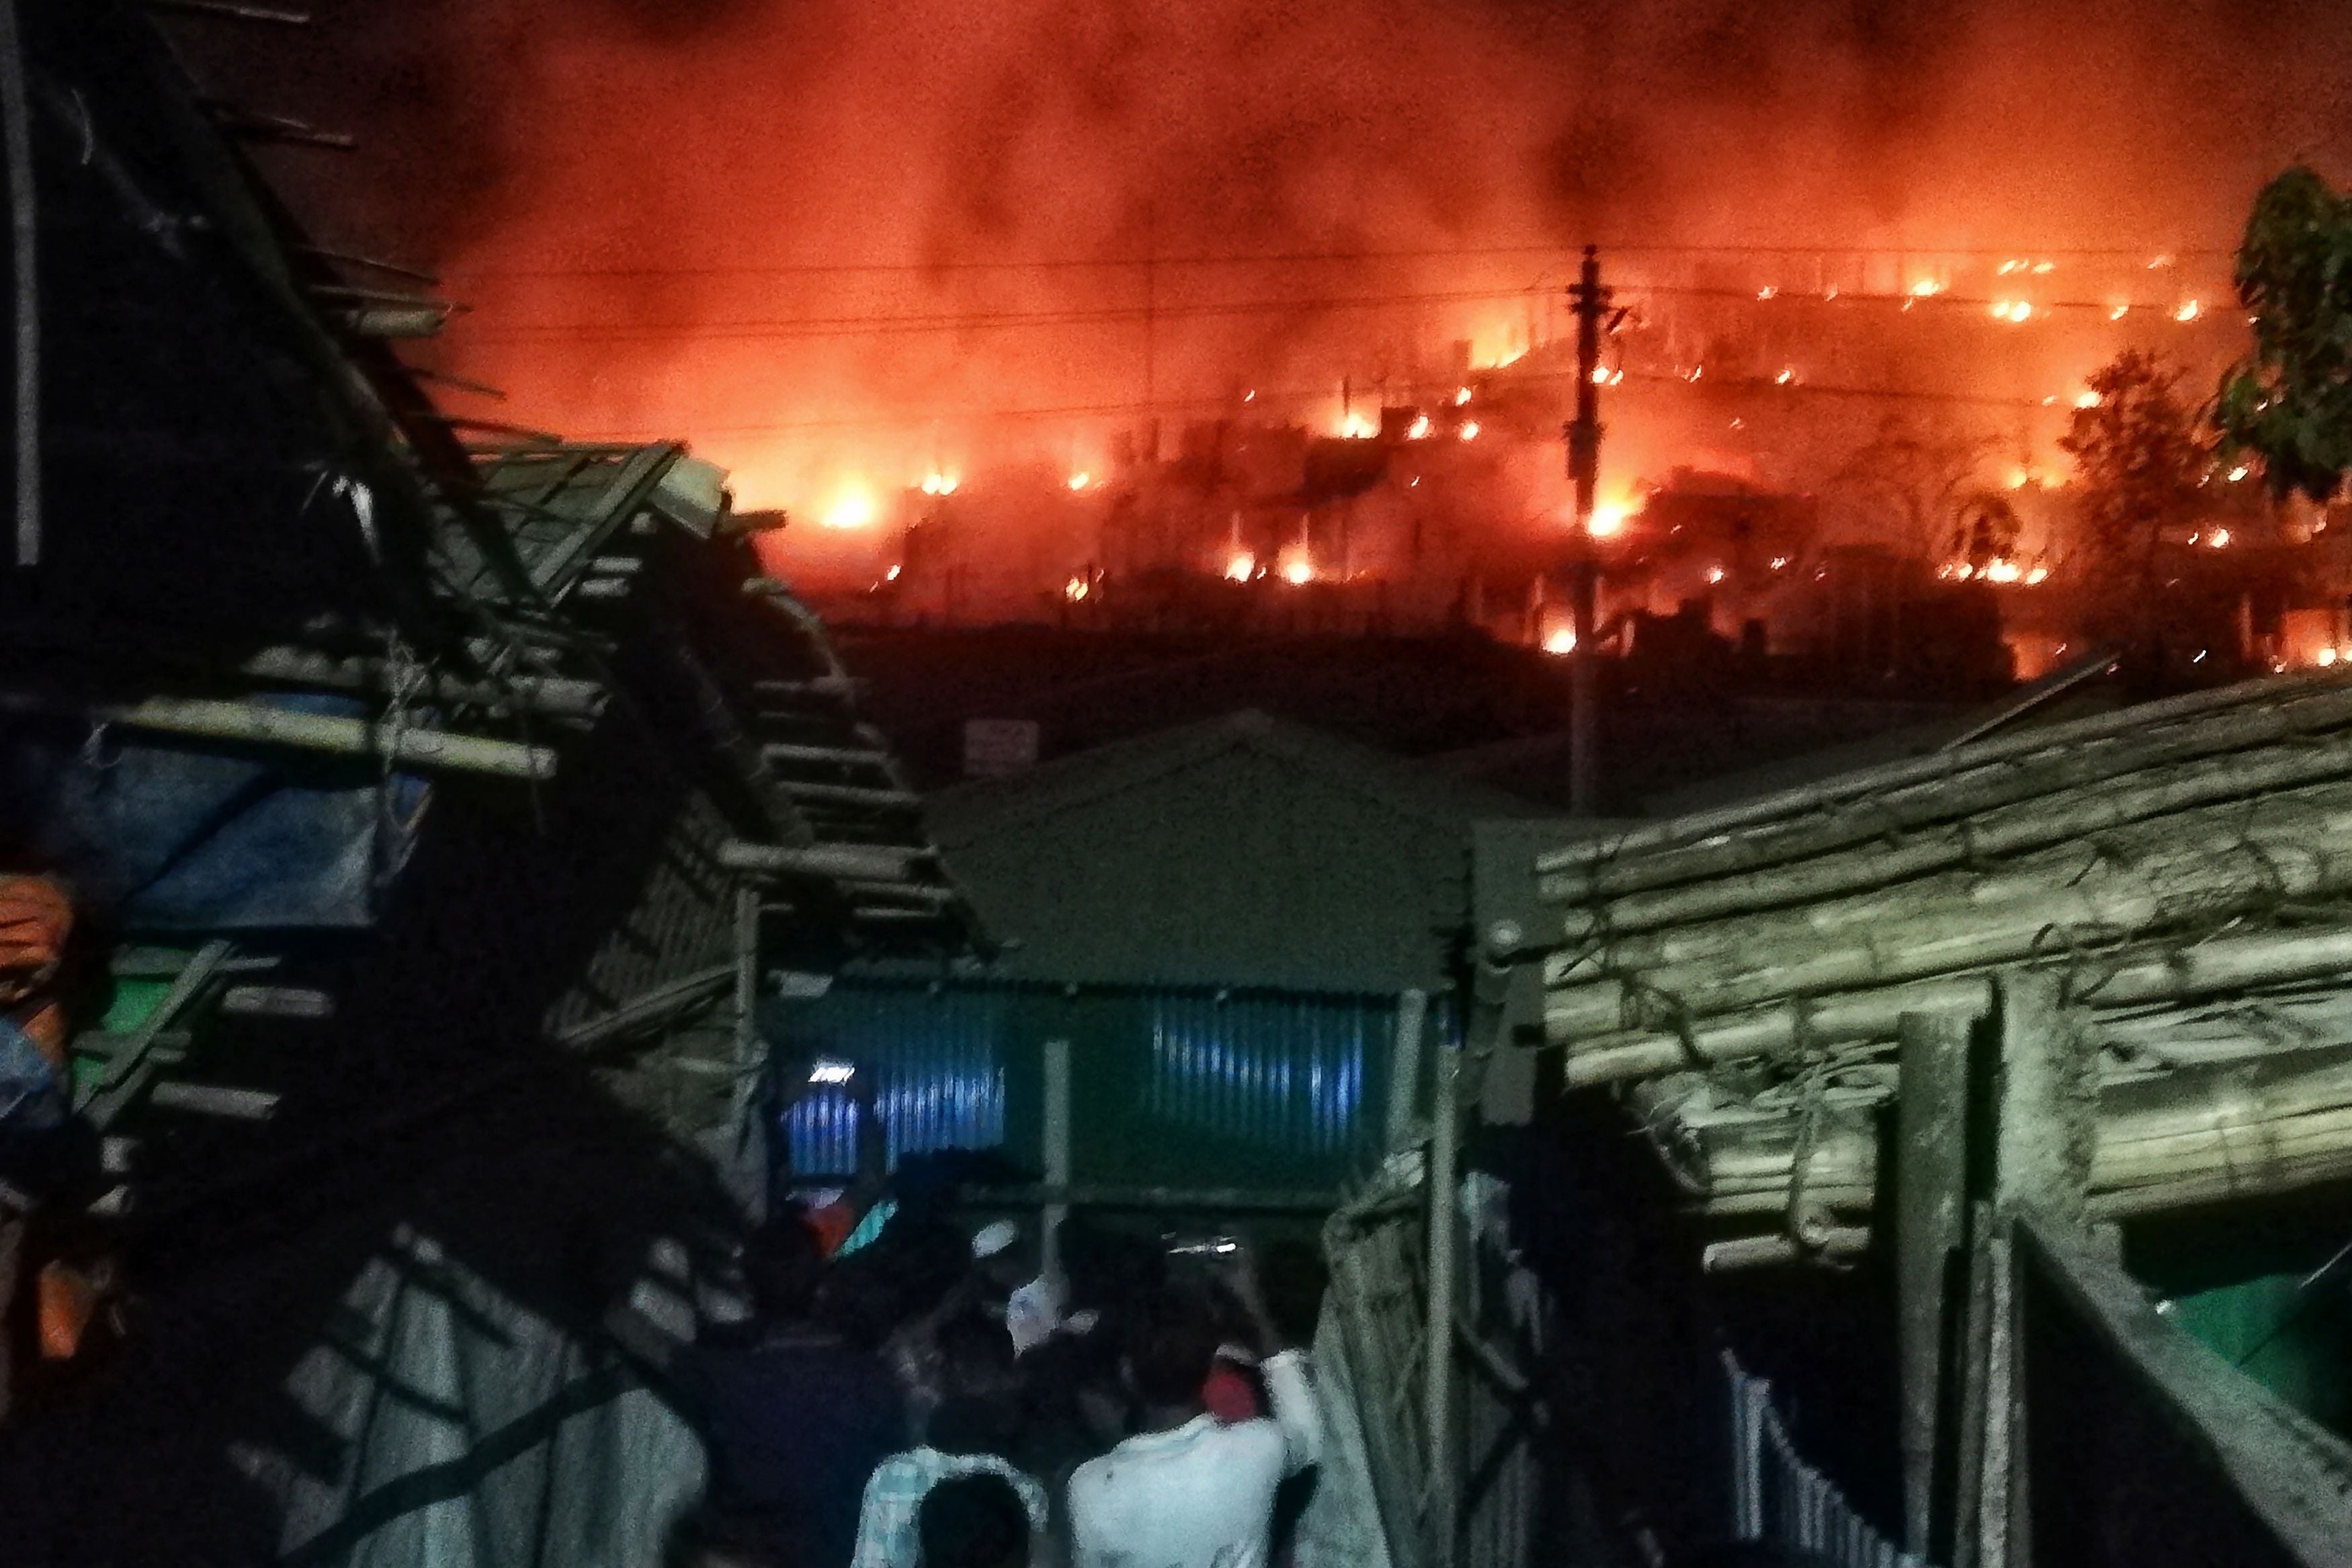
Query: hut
{"points": [[432, 802], [1230, 932], [2016, 1035]]}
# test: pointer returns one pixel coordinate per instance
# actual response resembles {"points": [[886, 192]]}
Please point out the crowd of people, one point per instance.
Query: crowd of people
{"points": [[915, 1393]]}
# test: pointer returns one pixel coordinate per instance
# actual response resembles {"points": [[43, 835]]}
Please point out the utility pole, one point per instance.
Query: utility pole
{"points": [[1591, 300]]}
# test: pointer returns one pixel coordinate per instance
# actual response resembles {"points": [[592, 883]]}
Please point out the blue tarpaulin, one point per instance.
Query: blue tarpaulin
{"points": [[159, 835]]}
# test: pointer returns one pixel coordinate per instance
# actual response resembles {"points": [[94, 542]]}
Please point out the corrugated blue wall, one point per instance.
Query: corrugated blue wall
{"points": [[1173, 1088]]}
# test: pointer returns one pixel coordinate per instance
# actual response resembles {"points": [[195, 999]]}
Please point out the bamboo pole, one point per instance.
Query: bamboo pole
{"points": [[1446, 1117], [856, 862], [2211, 968], [1404, 1065], [2164, 875], [1056, 1154], [23, 267], [257, 724], [1809, 798], [1962, 834], [2180, 850]]}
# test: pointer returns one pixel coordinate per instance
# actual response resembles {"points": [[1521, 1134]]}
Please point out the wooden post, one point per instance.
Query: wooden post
{"points": [[2046, 1108], [1445, 1114], [1404, 1065], [24, 268], [1056, 1155], [1930, 1215], [2049, 1101]]}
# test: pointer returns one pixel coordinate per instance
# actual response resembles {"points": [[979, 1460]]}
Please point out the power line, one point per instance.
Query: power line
{"points": [[1269, 258], [984, 320]]}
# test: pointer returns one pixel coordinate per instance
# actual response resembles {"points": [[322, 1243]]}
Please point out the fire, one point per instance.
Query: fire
{"points": [[2326, 656], [2118, 312], [1469, 430], [1926, 288], [1787, 375], [1767, 292], [1461, 397], [1560, 639], [1074, 590], [2001, 569], [2087, 399], [1599, 376], [892, 575], [1419, 429], [2019, 478], [1608, 517], [1240, 567], [2043, 269], [2012, 311], [1081, 479], [1297, 571], [1714, 574], [2218, 539], [2237, 474], [853, 507], [937, 483], [1356, 427], [2188, 311]]}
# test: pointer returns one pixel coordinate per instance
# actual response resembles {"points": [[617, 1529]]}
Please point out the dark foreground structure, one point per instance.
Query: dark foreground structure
{"points": [[432, 804]]}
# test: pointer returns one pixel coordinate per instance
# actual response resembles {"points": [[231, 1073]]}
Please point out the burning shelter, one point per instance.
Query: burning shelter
{"points": [[409, 813]]}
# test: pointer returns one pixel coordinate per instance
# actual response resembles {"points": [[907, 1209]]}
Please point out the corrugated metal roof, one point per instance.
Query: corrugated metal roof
{"points": [[1244, 853]]}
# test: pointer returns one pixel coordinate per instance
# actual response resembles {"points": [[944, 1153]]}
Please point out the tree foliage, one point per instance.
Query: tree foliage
{"points": [[1916, 482], [2291, 403]]}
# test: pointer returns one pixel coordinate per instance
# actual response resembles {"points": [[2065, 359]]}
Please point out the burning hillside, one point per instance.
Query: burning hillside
{"points": [[918, 271]]}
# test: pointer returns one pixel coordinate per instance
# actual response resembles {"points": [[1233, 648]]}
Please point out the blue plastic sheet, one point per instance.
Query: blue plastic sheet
{"points": [[158, 835]]}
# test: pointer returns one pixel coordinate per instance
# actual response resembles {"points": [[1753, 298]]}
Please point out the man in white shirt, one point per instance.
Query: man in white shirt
{"points": [[1188, 1491]]}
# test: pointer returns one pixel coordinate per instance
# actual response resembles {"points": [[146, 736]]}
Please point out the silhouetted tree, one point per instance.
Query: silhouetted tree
{"points": [[2138, 455]]}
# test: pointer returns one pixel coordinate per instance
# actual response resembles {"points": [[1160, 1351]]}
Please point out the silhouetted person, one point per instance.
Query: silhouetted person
{"points": [[973, 1521], [975, 1427], [797, 1419], [1188, 1491]]}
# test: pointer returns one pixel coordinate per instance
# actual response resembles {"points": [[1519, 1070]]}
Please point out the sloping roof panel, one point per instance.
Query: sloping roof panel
{"points": [[1243, 853]]}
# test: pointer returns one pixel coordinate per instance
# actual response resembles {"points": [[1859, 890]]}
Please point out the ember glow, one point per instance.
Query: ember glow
{"points": [[851, 509]]}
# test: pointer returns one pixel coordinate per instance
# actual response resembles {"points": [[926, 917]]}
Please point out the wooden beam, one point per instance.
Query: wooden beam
{"points": [[260, 724], [278, 1002], [858, 863], [849, 795], [214, 1100], [1930, 1204], [846, 756]]}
